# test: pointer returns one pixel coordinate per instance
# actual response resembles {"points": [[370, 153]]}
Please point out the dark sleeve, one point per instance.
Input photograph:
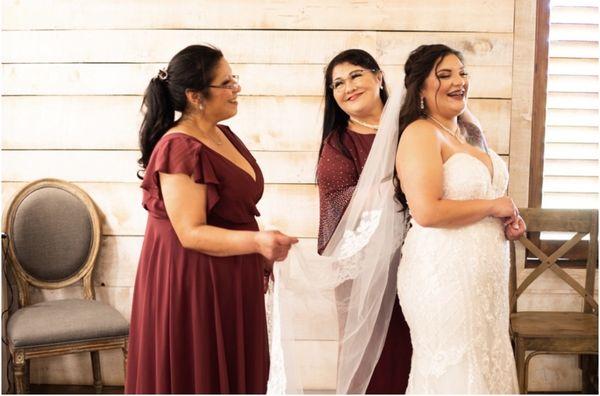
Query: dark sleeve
{"points": [[337, 177]]}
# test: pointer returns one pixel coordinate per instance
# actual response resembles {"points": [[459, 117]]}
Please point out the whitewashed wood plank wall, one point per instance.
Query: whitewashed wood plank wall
{"points": [[74, 71]]}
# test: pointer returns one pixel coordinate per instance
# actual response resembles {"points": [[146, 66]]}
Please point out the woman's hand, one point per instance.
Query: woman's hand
{"points": [[505, 208], [273, 245], [514, 230]]}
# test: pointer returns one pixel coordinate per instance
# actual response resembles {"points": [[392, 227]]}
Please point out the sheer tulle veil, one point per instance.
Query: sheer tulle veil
{"points": [[356, 274]]}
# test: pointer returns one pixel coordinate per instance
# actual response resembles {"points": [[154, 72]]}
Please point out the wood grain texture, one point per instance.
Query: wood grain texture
{"points": [[426, 15], [264, 123], [256, 79]]}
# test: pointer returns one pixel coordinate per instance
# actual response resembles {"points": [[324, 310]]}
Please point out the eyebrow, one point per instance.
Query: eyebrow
{"points": [[355, 70], [449, 70]]}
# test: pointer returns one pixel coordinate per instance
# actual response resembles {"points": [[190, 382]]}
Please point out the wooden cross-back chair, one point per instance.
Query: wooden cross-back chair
{"points": [[556, 332], [53, 241]]}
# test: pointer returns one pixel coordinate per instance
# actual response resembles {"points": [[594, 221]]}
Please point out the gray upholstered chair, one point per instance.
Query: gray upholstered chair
{"points": [[53, 241]]}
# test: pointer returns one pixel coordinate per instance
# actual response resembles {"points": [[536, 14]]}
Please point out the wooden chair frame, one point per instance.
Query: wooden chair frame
{"points": [[582, 222], [22, 355]]}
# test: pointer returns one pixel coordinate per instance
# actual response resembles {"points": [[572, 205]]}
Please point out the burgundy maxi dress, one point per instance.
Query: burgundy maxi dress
{"points": [[198, 322], [337, 177]]}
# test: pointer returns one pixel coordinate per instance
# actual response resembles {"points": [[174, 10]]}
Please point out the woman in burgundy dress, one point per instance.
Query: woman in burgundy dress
{"points": [[355, 94], [198, 318]]}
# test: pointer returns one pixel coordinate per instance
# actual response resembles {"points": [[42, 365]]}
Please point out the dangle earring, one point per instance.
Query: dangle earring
{"points": [[422, 104]]}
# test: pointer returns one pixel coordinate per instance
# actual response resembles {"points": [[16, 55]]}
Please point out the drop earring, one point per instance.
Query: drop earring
{"points": [[422, 104]]}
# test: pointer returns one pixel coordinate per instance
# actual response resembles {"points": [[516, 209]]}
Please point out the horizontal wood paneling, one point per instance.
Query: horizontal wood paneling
{"points": [[120, 166], [122, 212], [255, 79], [263, 122], [239, 46], [426, 15]]}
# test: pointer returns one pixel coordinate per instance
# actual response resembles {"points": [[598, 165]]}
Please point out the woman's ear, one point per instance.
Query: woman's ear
{"points": [[380, 78], [195, 99]]}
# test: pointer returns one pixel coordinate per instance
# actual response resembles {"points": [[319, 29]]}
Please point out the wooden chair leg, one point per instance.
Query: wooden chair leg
{"points": [[19, 371], [589, 370], [520, 360], [28, 376], [97, 371]]}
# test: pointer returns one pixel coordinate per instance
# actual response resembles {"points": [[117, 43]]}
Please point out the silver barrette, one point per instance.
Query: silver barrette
{"points": [[162, 74]]}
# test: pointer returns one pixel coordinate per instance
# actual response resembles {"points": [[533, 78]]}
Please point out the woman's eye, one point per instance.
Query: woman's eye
{"points": [[337, 84], [356, 75], [443, 75]]}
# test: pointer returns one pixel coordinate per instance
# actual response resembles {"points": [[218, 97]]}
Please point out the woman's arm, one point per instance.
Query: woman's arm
{"points": [[420, 169], [185, 202]]}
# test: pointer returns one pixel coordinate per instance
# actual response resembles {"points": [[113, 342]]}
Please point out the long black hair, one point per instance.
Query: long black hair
{"points": [[192, 68], [419, 64], [335, 120]]}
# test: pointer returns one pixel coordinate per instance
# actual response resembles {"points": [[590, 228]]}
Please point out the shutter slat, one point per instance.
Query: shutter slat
{"points": [[577, 167], [573, 49], [583, 151], [566, 184], [576, 32], [573, 66], [572, 117], [573, 84], [572, 100], [567, 134], [570, 200], [566, 14]]}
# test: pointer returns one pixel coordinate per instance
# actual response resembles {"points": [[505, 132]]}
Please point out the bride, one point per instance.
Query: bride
{"points": [[453, 276]]}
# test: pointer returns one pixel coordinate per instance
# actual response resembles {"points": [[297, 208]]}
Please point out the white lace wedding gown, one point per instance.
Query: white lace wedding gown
{"points": [[453, 289]]}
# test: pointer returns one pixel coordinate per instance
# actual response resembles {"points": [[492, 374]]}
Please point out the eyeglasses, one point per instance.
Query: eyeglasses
{"points": [[339, 84], [229, 85]]}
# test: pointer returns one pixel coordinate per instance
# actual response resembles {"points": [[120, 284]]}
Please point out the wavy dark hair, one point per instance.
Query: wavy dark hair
{"points": [[419, 64], [335, 120], [192, 68]]}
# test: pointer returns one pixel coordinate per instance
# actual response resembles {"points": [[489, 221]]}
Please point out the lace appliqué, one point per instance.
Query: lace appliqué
{"points": [[351, 249]]}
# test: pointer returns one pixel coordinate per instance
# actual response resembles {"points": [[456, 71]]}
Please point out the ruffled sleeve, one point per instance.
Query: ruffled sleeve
{"points": [[178, 154]]}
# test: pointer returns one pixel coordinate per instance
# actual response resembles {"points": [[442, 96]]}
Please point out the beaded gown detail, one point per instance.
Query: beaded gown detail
{"points": [[453, 287], [198, 322], [337, 177]]}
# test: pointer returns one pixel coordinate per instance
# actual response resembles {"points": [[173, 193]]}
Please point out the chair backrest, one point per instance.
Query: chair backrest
{"points": [[54, 234], [582, 222]]}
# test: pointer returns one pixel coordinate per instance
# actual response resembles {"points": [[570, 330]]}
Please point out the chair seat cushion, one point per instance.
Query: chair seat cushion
{"points": [[554, 324], [62, 321]]}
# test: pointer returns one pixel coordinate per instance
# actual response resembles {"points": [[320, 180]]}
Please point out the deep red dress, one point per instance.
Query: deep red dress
{"points": [[198, 322], [337, 176]]}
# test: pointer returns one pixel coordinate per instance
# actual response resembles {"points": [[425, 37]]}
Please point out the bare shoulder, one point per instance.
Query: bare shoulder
{"points": [[420, 132]]}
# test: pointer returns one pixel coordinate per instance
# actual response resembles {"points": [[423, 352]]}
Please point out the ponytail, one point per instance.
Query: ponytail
{"points": [[159, 117]]}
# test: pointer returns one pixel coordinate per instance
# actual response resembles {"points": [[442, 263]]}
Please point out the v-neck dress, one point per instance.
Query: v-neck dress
{"points": [[198, 322]]}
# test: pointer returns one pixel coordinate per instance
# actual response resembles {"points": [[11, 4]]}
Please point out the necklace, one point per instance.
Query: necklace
{"points": [[454, 133], [213, 137], [366, 125]]}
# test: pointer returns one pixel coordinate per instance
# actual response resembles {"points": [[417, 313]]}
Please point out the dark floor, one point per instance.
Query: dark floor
{"points": [[73, 389]]}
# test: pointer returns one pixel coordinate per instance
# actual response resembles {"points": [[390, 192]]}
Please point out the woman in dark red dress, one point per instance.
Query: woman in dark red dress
{"points": [[198, 319], [355, 93]]}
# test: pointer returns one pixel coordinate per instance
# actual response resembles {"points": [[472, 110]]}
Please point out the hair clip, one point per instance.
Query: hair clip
{"points": [[162, 74]]}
